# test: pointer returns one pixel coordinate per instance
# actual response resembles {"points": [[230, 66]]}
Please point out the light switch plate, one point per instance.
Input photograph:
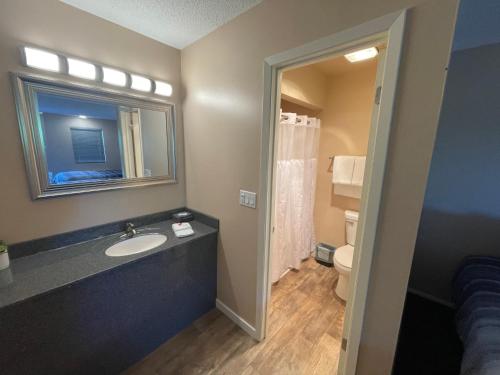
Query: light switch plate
{"points": [[248, 199]]}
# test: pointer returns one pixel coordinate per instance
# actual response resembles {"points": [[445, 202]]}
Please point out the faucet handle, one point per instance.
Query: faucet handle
{"points": [[129, 230]]}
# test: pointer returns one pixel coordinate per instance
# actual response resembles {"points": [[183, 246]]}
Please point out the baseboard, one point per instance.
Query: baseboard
{"points": [[284, 273], [431, 298], [238, 320]]}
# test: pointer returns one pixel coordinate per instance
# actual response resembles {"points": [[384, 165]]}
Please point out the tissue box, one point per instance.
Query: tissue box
{"points": [[324, 254]]}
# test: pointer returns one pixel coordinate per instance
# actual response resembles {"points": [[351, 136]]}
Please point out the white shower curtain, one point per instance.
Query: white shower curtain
{"points": [[293, 237]]}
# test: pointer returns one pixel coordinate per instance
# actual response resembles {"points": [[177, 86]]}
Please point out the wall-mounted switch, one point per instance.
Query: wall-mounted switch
{"points": [[248, 199]]}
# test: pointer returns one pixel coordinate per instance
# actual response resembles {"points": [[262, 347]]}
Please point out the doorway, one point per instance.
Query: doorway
{"points": [[386, 31]]}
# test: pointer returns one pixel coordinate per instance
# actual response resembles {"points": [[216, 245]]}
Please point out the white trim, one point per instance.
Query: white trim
{"points": [[371, 197], [430, 297], [284, 273], [238, 320], [388, 28]]}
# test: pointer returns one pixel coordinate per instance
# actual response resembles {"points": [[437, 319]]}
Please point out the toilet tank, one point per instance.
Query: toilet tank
{"points": [[351, 224]]}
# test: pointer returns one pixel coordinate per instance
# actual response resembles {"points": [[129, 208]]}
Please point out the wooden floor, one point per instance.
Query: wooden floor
{"points": [[304, 334]]}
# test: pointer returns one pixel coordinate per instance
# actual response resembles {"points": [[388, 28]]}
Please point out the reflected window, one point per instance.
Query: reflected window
{"points": [[81, 137], [88, 145]]}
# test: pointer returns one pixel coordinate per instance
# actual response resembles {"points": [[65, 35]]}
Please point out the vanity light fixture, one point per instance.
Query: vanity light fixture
{"points": [[140, 83], [81, 69], [163, 88], [363, 54], [34, 57], [40, 59], [114, 77], [82, 117]]}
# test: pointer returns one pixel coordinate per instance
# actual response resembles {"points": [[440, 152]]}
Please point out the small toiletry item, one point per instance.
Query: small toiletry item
{"points": [[4, 255], [183, 217], [182, 229]]}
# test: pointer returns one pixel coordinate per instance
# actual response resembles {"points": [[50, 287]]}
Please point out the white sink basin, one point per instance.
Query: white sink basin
{"points": [[135, 245]]}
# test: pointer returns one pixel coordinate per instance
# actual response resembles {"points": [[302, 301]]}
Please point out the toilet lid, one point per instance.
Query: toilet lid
{"points": [[344, 254]]}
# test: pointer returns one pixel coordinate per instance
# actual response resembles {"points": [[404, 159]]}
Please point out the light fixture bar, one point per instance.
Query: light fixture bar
{"points": [[81, 69], [163, 88], [361, 55], [114, 77], [40, 59], [141, 83]]}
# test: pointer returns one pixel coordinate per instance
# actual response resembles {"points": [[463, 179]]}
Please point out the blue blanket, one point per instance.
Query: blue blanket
{"points": [[85, 176], [476, 292]]}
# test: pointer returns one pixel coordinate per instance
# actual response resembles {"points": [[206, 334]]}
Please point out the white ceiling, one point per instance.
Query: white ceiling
{"points": [[177, 23]]}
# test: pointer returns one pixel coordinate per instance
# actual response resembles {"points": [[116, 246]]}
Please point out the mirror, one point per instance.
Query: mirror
{"points": [[80, 140]]}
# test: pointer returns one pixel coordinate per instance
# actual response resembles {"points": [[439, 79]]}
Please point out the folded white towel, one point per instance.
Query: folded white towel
{"points": [[343, 167], [347, 190], [359, 170]]}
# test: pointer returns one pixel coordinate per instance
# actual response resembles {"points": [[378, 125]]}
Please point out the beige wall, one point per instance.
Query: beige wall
{"points": [[57, 26], [288, 106], [345, 127], [223, 77], [306, 86], [344, 103]]}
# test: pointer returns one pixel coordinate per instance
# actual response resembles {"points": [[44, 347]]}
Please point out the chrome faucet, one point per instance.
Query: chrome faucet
{"points": [[130, 231]]}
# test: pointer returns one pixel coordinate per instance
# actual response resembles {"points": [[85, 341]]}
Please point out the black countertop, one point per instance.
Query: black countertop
{"points": [[45, 271]]}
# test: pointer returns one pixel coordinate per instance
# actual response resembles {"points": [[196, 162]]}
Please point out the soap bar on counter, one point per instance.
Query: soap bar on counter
{"points": [[182, 229]]}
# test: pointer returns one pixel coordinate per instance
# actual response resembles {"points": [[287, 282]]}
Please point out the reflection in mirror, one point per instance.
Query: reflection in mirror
{"points": [[145, 142], [91, 141], [81, 139], [86, 141]]}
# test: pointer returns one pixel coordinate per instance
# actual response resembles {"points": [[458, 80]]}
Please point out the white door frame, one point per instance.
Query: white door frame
{"points": [[389, 28]]}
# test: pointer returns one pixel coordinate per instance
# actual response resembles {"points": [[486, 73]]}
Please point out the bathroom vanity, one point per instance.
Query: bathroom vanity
{"points": [[74, 310]]}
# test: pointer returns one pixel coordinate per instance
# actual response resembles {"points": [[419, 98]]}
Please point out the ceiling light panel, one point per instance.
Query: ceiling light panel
{"points": [[361, 55]]}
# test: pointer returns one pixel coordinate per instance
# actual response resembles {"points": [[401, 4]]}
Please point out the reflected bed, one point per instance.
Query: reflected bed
{"points": [[67, 177]]}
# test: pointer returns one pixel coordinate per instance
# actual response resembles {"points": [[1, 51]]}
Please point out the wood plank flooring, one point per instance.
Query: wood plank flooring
{"points": [[304, 334]]}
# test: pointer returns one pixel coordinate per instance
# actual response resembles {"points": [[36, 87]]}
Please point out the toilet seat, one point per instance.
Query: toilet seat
{"points": [[343, 256]]}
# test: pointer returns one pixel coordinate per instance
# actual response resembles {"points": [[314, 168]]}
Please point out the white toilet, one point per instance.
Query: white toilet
{"points": [[342, 259]]}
